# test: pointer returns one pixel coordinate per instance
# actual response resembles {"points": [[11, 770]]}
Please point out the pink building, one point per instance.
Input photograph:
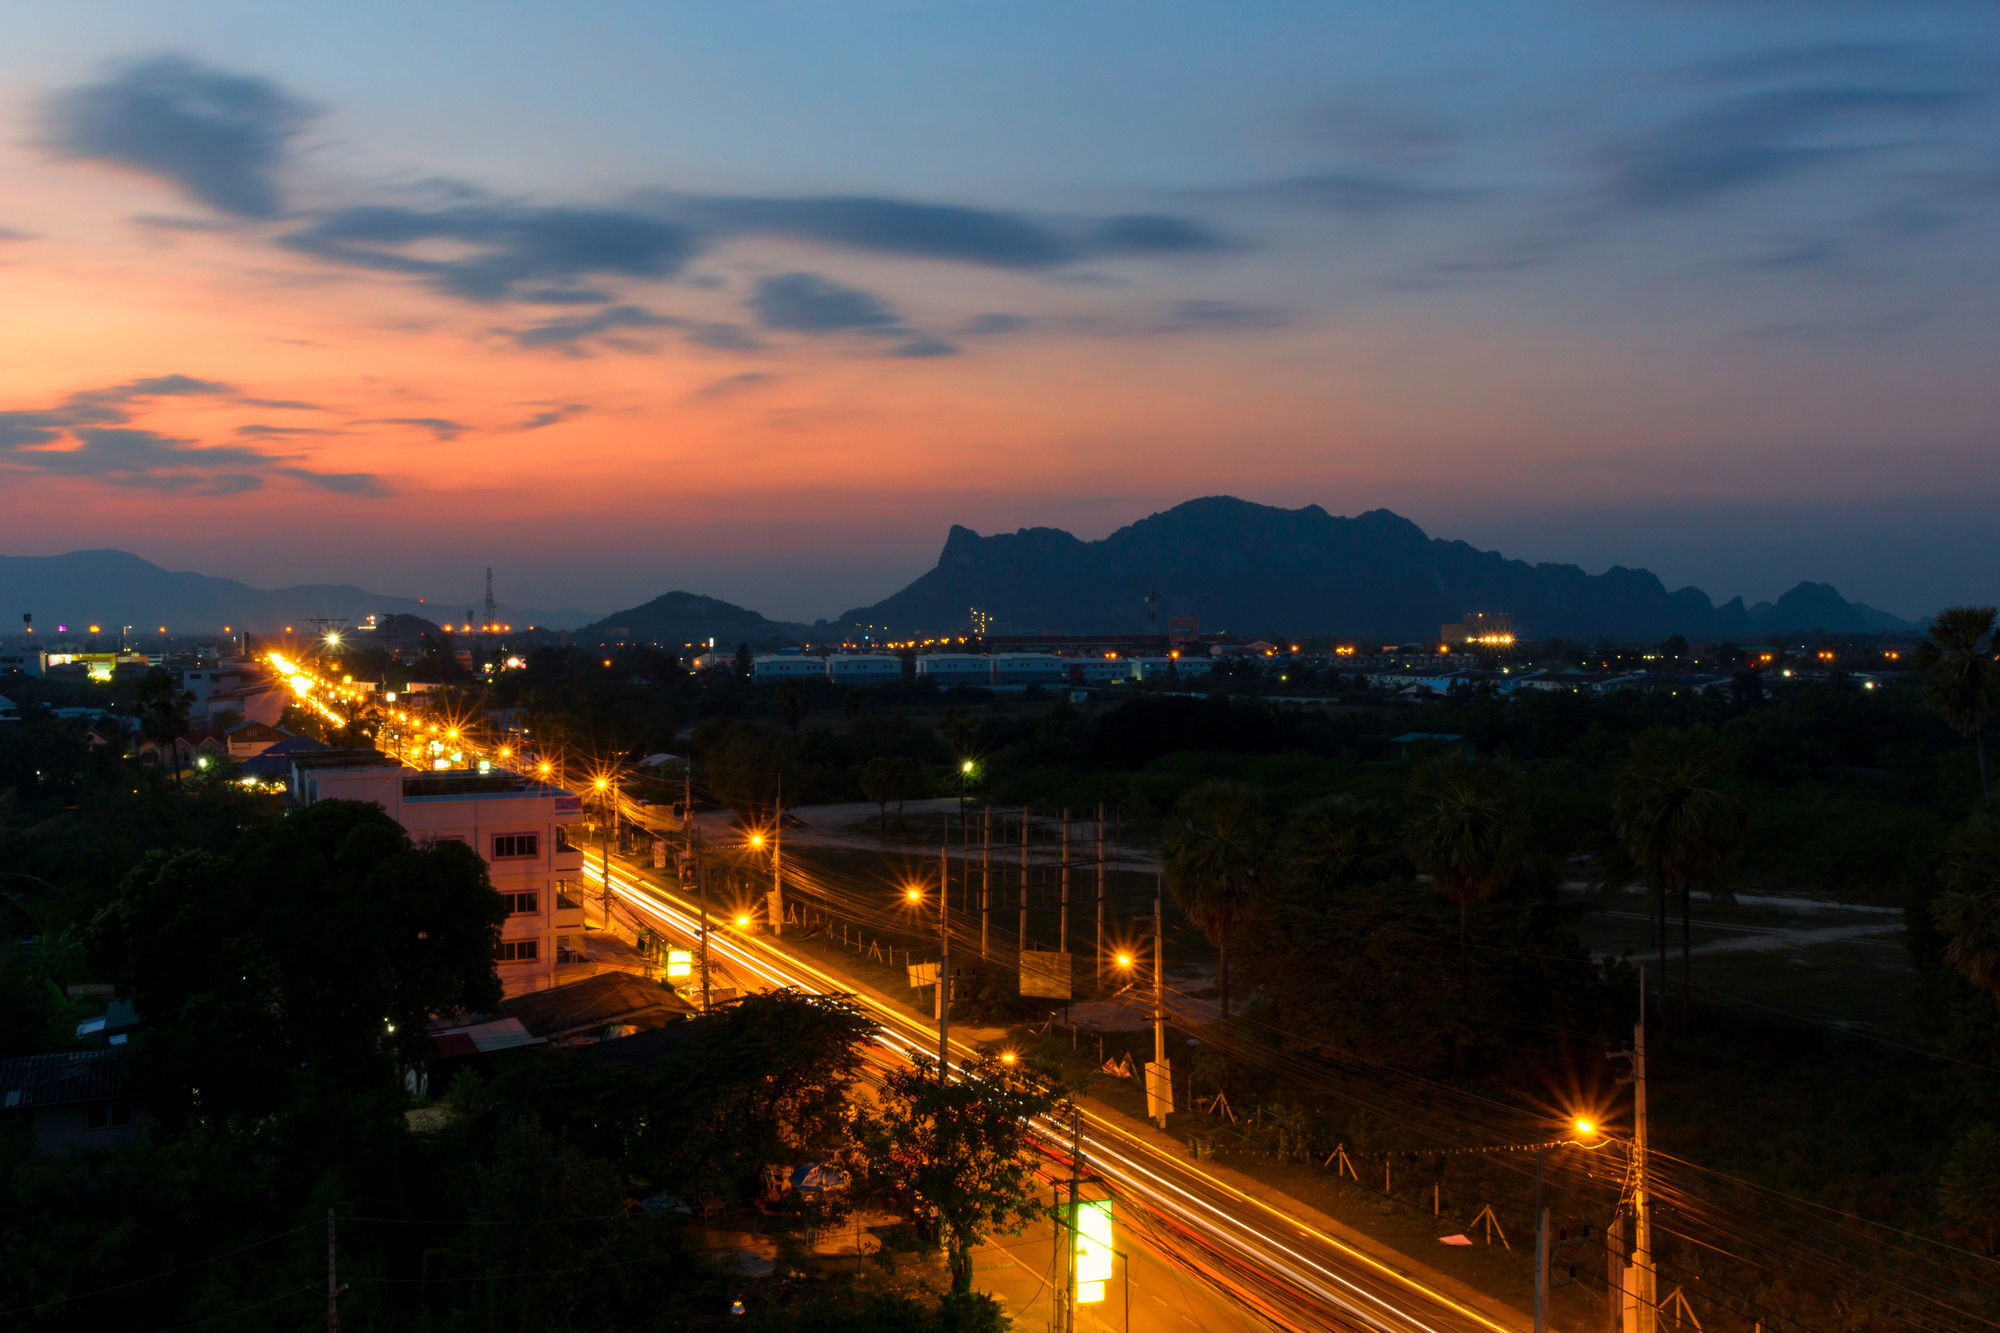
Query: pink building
{"points": [[516, 824]]}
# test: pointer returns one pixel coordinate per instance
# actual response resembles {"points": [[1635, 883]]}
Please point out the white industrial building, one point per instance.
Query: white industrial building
{"points": [[1028, 669], [515, 823], [864, 669], [956, 668], [787, 666]]}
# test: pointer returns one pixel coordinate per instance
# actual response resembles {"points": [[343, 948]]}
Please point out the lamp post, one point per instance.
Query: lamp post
{"points": [[1159, 1076]]}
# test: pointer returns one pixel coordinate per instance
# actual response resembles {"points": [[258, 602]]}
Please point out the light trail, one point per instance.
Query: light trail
{"points": [[1117, 1153]]}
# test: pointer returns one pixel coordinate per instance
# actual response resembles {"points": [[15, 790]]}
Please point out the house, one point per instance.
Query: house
{"points": [[516, 824], [610, 1003], [250, 739], [73, 1101]]}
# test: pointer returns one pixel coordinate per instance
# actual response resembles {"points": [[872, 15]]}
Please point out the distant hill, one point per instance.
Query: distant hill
{"points": [[678, 618], [1259, 570], [119, 588]]}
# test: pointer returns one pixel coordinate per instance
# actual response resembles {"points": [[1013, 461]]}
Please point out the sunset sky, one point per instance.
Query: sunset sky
{"points": [[757, 299]]}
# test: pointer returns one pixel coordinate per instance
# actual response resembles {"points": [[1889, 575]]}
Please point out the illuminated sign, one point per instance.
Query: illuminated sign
{"points": [[1093, 1250], [680, 964]]}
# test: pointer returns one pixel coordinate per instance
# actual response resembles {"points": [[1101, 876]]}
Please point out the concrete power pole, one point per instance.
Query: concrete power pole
{"points": [[1100, 888], [777, 908], [985, 880], [1160, 1084], [944, 955], [1024, 879], [1062, 931], [1642, 1190]]}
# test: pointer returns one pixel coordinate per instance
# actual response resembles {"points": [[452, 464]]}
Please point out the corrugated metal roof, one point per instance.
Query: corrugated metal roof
{"points": [[66, 1076]]}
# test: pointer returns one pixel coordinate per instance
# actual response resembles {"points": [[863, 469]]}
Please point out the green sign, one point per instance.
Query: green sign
{"points": [[1093, 1250]]}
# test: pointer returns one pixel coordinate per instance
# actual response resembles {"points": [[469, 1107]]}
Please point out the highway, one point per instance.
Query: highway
{"points": [[1283, 1270], [1175, 1216]]}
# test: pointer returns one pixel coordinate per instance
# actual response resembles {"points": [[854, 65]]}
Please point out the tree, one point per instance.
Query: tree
{"points": [[1464, 831], [964, 1146], [163, 715], [1217, 860], [1968, 912], [1677, 820], [1337, 842], [1961, 680], [1969, 1189], [793, 704], [743, 662], [879, 783], [317, 949]]}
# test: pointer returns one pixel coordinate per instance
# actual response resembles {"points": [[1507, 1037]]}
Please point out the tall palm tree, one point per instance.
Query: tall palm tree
{"points": [[1961, 680], [1217, 860], [1465, 831], [1338, 842], [1678, 821], [163, 716], [1968, 912]]}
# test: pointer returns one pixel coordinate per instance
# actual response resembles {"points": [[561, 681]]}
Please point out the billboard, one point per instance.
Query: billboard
{"points": [[1045, 975]]}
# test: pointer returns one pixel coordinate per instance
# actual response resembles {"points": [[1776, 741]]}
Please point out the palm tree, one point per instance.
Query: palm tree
{"points": [[1678, 821], [1337, 842], [1465, 831], [1217, 858], [163, 716], [1961, 681], [1968, 912]]}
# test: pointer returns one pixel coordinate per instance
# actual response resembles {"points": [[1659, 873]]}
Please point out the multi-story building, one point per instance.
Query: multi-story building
{"points": [[516, 824]]}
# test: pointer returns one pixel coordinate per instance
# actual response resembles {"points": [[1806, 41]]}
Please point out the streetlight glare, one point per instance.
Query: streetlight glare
{"points": [[756, 840], [1585, 1127], [913, 893], [742, 920], [965, 767], [1124, 960]]}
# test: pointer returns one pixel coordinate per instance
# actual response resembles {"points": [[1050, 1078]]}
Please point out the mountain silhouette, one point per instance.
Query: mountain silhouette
{"points": [[1255, 569], [115, 588], [676, 619]]}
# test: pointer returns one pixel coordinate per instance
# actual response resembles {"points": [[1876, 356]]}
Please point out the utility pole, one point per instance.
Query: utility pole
{"points": [[944, 956], [1075, 1184], [1642, 1191], [1024, 879], [1165, 1071], [1541, 1249], [777, 908], [1100, 888], [687, 807], [333, 1287], [985, 880], [701, 879], [1062, 935]]}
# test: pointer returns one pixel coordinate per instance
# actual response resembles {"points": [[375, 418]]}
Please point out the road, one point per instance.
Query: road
{"points": [[1273, 1267]]}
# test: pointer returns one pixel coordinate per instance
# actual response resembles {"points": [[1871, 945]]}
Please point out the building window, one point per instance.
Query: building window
{"points": [[519, 951], [515, 846], [108, 1115], [522, 904]]}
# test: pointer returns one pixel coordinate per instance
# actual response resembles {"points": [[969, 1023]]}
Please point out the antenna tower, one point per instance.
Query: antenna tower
{"points": [[491, 616]]}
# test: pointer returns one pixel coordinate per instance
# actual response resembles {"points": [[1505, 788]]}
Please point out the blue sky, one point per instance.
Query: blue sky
{"points": [[788, 289]]}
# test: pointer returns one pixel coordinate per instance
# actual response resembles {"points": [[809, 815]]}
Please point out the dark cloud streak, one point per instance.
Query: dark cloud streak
{"points": [[218, 136]]}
